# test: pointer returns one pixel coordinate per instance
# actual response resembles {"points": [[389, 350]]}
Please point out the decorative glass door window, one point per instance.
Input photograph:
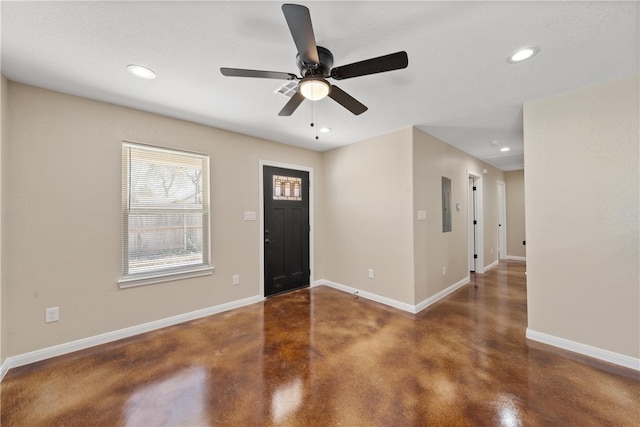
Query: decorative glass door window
{"points": [[287, 188]]}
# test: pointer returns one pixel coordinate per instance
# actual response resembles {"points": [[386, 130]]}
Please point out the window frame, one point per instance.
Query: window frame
{"points": [[172, 273]]}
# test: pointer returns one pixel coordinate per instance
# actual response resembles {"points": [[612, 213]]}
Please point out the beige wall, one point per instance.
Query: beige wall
{"points": [[373, 190], [514, 182], [368, 204], [433, 159], [62, 212], [582, 216], [4, 109]]}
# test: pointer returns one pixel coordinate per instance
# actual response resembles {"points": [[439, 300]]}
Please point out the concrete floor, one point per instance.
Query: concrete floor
{"points": [[321, 357]]}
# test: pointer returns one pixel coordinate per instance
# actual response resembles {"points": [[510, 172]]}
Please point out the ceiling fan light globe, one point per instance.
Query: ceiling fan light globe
{"points": [[314, 89]]}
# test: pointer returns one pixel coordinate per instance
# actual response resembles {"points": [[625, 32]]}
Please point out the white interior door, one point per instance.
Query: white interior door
{"points": [[473, 224], [502, 221]]}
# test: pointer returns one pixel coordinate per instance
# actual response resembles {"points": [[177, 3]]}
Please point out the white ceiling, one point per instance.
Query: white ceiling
{"points": [[457, 87]]}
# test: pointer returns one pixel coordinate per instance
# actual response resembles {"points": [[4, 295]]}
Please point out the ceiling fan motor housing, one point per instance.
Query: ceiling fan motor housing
{"points": [[322, 69]]}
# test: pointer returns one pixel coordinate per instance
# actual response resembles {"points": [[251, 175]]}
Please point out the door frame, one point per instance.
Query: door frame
{"points": [[261, 165], [480, 218]]}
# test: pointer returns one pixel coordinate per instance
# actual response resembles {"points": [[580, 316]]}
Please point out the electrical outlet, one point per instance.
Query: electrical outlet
{"points": [[371, 273], [51, 314], [236, 279], [444, 271]]}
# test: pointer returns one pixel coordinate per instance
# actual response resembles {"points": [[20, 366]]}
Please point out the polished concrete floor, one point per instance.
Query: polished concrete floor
{"points": [[320, 357]]}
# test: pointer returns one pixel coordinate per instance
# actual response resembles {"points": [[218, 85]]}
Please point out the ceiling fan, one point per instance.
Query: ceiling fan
{"points": [[315, 64]]}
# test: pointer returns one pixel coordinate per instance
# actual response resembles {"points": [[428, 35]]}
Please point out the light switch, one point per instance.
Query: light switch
{"points": [[249, 216], [422, 215]]}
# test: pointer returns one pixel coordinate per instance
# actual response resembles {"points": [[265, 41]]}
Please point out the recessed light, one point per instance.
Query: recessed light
{"points": [[522, 54], [140, 71], [505, 149], [325, 129]]}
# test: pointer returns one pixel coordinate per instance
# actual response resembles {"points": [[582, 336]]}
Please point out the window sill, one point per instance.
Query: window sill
{"points": [[149, 279]]}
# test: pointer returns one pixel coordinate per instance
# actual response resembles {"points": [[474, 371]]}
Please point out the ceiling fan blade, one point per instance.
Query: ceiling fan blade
{"points": [[346, 100], [291, 106], [299, 21], [239, 72], [393, 61]]}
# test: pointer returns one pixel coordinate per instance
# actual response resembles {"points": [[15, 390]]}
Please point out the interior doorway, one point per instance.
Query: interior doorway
{"points": [[475, 223], [472, 224], [502, 220], [286, 230]]}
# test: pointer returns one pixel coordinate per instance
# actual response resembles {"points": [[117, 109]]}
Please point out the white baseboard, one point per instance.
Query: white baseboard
{"points": [[516, 258], [391, 302], [84, 343], [437, 297], [584, 349], [364, 294], [490, 266], [4, 369]]}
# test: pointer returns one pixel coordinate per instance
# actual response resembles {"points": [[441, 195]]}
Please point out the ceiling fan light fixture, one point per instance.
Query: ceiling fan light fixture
{"points": [[314, 88]]}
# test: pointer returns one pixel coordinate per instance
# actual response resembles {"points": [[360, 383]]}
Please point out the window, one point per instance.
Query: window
{"points": [[165, 213]]}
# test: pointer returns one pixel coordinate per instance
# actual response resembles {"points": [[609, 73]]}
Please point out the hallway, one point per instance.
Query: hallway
{"points": [[321, 357]]}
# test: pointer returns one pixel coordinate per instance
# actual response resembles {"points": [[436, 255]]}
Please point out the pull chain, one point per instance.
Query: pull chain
{"points": [[314, 122]]}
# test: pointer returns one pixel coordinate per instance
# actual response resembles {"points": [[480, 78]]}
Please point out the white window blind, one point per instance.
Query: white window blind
{"points": [[165, 211]]}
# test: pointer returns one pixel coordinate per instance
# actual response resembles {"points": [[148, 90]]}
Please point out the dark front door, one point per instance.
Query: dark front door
{"points": [[286, 230]]}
